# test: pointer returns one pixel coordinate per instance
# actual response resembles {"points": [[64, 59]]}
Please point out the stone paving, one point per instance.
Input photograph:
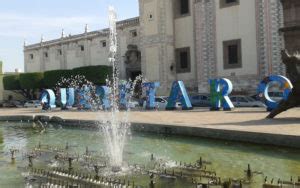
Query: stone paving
{"points": [[242, 119]]}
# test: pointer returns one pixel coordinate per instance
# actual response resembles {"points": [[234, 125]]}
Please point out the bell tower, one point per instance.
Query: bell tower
{"points": [[157, 42]]}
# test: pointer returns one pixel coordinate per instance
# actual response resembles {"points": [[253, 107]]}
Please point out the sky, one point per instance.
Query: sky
{"points": [[30, 19]]}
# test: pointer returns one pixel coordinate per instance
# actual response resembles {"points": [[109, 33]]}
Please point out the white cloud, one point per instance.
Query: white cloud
{"points": [[17, 25]]}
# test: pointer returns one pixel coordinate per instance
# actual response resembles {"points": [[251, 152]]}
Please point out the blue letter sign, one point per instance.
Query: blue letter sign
{"points": [[219, 91], [48, 99], [67, 97], [123, 95], [178, 92], [84, 98], [150, 93], [103, 92], [263, 90]]}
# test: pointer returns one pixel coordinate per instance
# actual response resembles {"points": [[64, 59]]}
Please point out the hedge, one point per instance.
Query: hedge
{"points": [[11, 82], [38, 80], [52, 77], [31, 80], [95, 74]]}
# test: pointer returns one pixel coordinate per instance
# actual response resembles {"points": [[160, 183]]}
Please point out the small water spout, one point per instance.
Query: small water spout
{"points": [[87, 153], [249, 172], [30, 161], [96, 168], [13, 154], [152, 157], [70, 160]]}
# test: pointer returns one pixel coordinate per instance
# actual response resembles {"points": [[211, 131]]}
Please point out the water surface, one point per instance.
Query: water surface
{"points": [[229, 159]]}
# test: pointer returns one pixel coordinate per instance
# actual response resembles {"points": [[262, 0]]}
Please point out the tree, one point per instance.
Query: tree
{"points": [[30, 82], [11, 82]]}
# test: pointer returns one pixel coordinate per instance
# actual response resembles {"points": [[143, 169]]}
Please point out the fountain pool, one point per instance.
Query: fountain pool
{"points": [[228, 159]]}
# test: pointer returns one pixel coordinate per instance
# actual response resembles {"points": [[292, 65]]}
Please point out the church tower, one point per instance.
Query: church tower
{"points": [[157, 42]]}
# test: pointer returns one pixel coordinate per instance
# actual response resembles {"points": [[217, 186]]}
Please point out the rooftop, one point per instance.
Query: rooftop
{"points": [[89, 35]]}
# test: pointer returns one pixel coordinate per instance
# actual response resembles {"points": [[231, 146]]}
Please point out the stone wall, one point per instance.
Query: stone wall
{"points": [[205, 37], [269, 17], [85, 49], [257, 29], [291, 28]]}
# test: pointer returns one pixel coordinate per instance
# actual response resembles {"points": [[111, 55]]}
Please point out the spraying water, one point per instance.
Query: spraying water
{"points": [[116, 129]]}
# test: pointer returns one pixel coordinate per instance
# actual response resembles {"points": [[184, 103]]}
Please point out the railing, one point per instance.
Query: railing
{"points": [[128, 22]]}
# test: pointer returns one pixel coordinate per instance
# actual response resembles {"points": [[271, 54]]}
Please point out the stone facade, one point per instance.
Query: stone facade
{"points": [[89, 48], [256, 24], [269, 41], [180, 40], [205, 35], [291, 28]]}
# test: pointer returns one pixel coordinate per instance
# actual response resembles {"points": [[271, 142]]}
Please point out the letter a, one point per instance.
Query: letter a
{"points": [[178, 93]]}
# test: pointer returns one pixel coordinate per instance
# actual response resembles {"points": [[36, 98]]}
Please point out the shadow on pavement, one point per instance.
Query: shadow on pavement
{"points": [[264, 122]]}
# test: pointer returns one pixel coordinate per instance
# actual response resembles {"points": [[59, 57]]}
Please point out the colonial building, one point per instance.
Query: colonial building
{"points": [[89, 48], [291, 29], [189, 40]]}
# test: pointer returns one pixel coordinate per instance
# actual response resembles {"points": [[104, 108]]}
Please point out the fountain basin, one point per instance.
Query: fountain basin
{"points": [[228, 159]]}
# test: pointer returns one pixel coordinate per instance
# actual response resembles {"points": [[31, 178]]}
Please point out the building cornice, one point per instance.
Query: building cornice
{"points": [[87, 35]]}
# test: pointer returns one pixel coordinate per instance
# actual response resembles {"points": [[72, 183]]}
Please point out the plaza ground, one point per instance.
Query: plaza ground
{"points": [[241, 119], [242, 124]]}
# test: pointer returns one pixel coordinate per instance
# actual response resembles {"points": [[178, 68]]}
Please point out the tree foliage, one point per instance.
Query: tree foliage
{"points": [[95, 74], [52, 77], [27, 83], [11, 82], [31, 80]]}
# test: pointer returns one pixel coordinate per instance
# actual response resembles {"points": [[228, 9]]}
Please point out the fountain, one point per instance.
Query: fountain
{"points": [[156, 161], [101, 155], [114, 130], [117, 128]]}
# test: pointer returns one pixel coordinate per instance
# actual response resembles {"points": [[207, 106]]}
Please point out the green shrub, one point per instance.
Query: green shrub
{"points": [[48, 79], [11, 82], [31, 80], [52, 77], [95, 74]]}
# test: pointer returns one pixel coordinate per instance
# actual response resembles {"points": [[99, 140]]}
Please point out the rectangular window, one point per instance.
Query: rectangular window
{"points": [[46, 54], [183, 60], [30, 56], [184, 7], [232, 54], [103, 43], [59, 52], [82, 48], [181, 8], [133, 33], [228, 3], [183, 64]]}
